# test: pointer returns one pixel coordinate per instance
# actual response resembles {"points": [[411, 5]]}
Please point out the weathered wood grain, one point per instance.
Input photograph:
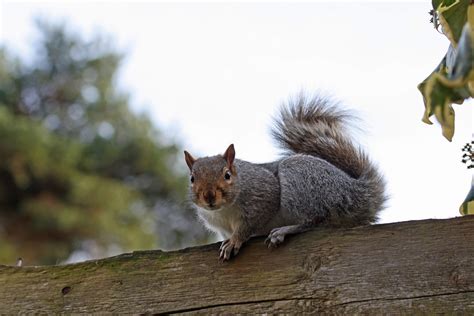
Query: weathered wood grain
{"points": [[409, 267]]}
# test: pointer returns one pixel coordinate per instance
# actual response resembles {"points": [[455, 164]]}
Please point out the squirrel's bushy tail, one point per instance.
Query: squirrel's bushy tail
{"points": [[317, 126]]}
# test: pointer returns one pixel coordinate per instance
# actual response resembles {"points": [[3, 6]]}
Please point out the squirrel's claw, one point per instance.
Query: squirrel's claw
{"points": [[228, 248]]}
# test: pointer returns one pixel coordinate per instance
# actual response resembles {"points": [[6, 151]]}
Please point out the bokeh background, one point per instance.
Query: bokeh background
{"points": [[98, 100]]}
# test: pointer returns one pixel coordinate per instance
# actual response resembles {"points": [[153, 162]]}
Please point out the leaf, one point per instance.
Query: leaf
{"points": [[460, 65], [453, 79], [438, 102], [467, 207], [452, 17]]}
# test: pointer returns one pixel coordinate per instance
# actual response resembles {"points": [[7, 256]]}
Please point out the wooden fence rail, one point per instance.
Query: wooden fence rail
{"points": [[409, 267]]}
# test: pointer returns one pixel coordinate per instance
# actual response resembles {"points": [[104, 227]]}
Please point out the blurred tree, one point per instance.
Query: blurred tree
{"points": [[80, 172]]}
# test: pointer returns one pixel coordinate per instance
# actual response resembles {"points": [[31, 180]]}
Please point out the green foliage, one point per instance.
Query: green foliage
{"points": [[453, 79], [452, 13], [79, 170], [467, 207]]}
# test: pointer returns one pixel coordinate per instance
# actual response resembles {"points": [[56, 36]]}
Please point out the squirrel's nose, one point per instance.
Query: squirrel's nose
{"points": [[210, 197]]}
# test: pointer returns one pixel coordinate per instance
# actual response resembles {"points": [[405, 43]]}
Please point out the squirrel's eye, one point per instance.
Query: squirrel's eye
{"points": [[227, 175], [192, 179]]}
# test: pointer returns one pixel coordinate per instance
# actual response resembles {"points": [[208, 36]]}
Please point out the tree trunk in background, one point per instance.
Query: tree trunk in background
{"points": [[410, 267]]}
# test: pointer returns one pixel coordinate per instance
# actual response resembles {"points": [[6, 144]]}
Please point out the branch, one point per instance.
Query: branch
{"points": [[411, 267]]}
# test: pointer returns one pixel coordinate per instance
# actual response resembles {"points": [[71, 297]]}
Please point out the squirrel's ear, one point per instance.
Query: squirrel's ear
{"points": [[229, 155], [189, 160]]}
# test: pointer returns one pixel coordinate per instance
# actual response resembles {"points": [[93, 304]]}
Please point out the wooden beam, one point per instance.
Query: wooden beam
{"points": [[410, 267]]}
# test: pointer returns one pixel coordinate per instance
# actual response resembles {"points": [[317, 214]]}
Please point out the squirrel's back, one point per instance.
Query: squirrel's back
{"points": [[318, 127]]}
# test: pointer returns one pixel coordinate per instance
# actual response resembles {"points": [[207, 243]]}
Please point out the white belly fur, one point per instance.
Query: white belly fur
{"points": [[223, 222]]}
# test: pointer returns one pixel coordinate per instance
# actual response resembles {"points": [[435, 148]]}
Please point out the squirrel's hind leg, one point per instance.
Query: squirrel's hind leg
{"points": [[277, 235]]}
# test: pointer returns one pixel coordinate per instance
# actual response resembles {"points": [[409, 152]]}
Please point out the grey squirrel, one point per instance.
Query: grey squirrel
{"points": [[322, 179]]}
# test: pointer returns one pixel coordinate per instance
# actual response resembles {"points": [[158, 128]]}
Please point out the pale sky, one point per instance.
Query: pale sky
{"points": [[213, 74]]}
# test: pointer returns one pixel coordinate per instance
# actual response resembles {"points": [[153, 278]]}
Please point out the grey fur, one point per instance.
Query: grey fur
{"points": [[318, 129], [323, 179]]}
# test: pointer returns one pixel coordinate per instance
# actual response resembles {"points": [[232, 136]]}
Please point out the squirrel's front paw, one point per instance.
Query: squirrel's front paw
{"points": [[229, 247]]}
